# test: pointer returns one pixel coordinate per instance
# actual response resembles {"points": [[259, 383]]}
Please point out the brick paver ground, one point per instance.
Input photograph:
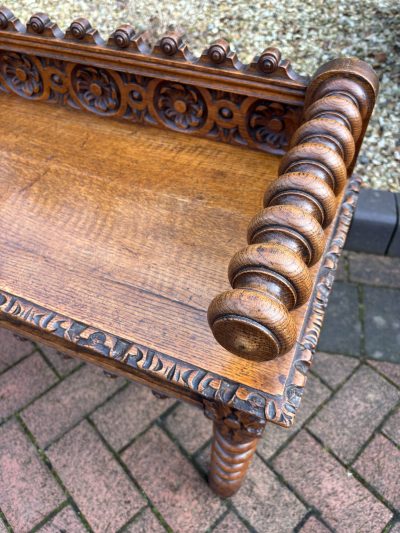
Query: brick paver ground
{"points": [[80, 452]]}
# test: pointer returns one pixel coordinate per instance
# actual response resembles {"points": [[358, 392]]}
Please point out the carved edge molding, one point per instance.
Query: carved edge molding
{"points": [[306, 346], [248, 408], [169, 52]]}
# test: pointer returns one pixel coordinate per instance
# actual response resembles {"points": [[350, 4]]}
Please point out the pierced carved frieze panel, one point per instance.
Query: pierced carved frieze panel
{"points": [[219, 115], [22, 75]]}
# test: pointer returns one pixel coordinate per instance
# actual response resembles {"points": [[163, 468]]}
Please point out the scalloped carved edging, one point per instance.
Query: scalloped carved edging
{"points": [[311, 330], [219, 55], [249, 409]]}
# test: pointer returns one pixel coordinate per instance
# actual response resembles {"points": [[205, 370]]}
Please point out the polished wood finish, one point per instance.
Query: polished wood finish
{"points": [[235, 439], [253, 320], [230, 460], [114, 238], [215, 95]]}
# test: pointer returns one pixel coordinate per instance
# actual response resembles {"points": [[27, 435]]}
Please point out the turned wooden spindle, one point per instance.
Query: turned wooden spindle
{"points": [[230, 459], [270, 277]]}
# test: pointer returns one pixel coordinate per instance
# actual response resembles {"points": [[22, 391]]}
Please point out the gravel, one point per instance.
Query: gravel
{"points": [[308, 33]]}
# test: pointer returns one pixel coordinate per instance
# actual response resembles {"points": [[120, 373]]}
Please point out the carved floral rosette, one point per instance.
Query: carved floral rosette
{"points": [[219, 115]]}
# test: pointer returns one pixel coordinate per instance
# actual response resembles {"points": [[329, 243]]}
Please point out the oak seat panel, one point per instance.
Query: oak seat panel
{"points": [[126, 228]]}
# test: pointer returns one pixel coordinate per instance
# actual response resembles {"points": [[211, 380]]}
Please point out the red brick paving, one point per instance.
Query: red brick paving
{"points": [[346, 422], [312, 478], [231, 524], [391, 370], [23, 382], [62, 363], [28, 491], [313, 525], [275, 436], [343, 502], [127, 414], [12, 349], [333, 368], [172, 483], [68, 402], [146, 522], [266, 503], [379, 465], [66, 520], [97, 483], [392, 427], [359, 410], [188, 425]]}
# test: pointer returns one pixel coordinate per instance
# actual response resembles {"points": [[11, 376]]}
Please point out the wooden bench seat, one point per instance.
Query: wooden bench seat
{"points": [[127, 228], [115, 238]]}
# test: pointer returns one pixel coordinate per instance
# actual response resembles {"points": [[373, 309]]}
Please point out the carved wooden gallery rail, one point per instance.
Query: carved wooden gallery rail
{"points": [[214, 96], [307, 210]]}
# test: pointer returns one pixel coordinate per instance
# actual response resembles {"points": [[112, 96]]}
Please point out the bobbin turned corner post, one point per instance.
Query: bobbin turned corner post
{"points": [[235, 439], [271, 276]]}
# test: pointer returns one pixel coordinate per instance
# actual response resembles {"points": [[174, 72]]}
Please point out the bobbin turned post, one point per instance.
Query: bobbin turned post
{"points": [[231, 455], [235, 438], [270, 277]]}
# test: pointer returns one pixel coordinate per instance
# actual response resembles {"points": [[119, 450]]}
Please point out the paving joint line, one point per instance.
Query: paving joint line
{"points": [[204, 475], [15, 363], [60, 376], [377, 430], [382, 374], [313, 415], [149, 426], [133, 519], [283, 481], [46, 461], [296, 431], [183, 451], [134, 481], [315, 513], [354, 473], [6, 522], [217, 521], [50, 516], [83, 417], [33, 400]]}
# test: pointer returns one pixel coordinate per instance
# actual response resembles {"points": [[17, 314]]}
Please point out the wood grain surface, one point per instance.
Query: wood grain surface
{"points": [[126, 228]]}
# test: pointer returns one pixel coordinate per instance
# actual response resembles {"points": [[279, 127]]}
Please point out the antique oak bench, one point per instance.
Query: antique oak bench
{"points": [[115, 238]]}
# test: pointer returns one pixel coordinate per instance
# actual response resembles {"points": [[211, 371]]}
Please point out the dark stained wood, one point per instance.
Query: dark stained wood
{"points": [[114, 238]]}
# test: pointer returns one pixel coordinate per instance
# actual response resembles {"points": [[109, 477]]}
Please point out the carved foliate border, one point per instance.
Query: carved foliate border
{"points": [[311, 330], [215, 96], [244, 406]]}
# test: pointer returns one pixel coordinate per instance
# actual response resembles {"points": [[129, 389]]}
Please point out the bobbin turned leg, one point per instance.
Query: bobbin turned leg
{"points": [[235, 438], [231, 455]]}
